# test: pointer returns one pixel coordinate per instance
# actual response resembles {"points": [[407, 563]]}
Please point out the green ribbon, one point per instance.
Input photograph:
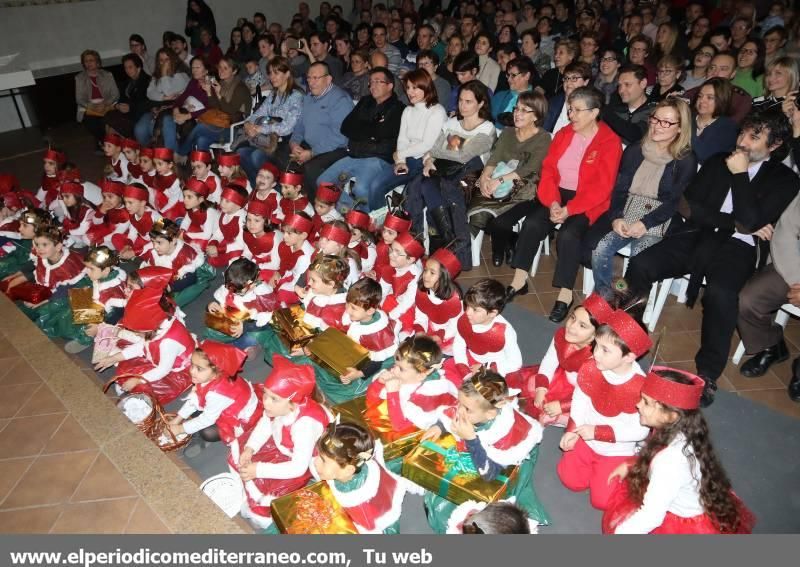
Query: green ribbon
{"points": [[456, 462]]}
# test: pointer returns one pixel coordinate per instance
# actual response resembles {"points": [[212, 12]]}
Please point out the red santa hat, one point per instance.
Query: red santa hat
{"points": [[328, 193], [674, 394], [448, 261], [358, 219], [196, 186], [272, 168], [114, 187], [230, 194], [72, 174], [71, 188], [291, 178], [113, 139], [129, 144], [155, 277], [147, 152], [598, 308], [227, 358], [299, 223], [164, 154], [290, 381], [12, 201], [630, 332], [56, 156], [8, 183], [143, 312], [260, 208], [397, 223], [410, 244], [200, 155], [136, 192], [335, 233], [229, 159]]}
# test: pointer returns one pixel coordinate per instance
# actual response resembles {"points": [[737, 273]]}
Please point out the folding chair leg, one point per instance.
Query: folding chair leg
{"points": [[651, 301], [537, 258], [477, 244], [737, 356], [661, 299], [588, 281]]}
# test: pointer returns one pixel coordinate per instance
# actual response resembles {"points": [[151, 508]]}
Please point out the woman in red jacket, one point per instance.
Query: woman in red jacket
{"points": [[578, 175]]}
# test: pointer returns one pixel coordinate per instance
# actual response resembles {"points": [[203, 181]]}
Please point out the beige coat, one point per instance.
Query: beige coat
{"points": [[83, 90], [785, 245]]}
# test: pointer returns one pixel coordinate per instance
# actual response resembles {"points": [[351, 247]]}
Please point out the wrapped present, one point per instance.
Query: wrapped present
{"points": [[336, 352], [396, 444], [444, 470], [30, 292], [288, 322], [84, 309], [226, 320], [311, 510]]}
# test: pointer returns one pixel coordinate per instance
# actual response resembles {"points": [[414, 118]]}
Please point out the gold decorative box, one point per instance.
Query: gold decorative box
{"points": [[84, 310], [288, 323], [224, 322], [396, 444], [311, 510], [336, 352], [442, 469]]}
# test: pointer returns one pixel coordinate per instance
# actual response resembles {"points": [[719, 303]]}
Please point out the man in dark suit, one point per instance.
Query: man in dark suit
{"points": [[720, 234]]}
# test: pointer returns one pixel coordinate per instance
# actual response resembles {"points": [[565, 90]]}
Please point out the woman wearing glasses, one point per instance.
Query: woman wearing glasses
{"points": [[608, 78], [578, 174], [701, 60], [670, 69], [750, 67], [782, 78], [713, 131], [650, 182], [518, 72]]}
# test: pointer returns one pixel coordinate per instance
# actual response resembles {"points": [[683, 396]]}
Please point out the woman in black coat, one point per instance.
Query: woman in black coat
{"points": [[132, 101]]}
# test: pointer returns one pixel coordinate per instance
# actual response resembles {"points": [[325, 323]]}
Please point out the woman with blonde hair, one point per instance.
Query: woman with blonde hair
{"points": [[782, 77], [652, 177]]}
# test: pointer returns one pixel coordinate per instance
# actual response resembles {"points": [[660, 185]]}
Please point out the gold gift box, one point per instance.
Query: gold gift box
{"points": [[396, 444], [288, 322], [311, 510], [427, 468], [84, 310], [224, 322], [336, 352]]}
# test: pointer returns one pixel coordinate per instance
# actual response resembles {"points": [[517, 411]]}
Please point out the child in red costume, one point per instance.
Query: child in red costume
{"points": [[604, 428], [362, 240], [395, 223], [291, 199], [117, 164], [231, 172], [79, 213], [140, 218], [200, 161], [438, 304], [324, 299], [295, 253], [131, 149], [167, 196], [399, 281], [265, 191], [148, 169], [226, 243], [110, 218], [53, 161], [261, 245], [325, 206], [201, 216]]}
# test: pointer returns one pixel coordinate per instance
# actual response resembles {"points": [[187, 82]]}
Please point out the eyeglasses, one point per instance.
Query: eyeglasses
{"points": [[666, 71], [379, 82], [318, 78], [663, 123], [749, 51], [521, 109], [572, 78], [570, 110], [513, 75], [608, 59]]}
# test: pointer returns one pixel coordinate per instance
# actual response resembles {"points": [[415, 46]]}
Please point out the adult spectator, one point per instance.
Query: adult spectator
{"points": [[137, 45], [519, 81], [188, 107], [356, 80], [577, 177], [639, 50], [530, 42], [318, 49], [208, 49], [607, 80], [701, 61], [697, 36], [181, 48], [317, 140], [429, 61], [548, 44], [260, 22], [455, 47], [465, 68], [668, 42], [720, 38], [95, 94], [721, 235], [588, 46], [781, 79], [235, 43], [343, 46], [199, 16], [576, 75], [363, 37], [740, 30], [248, 49], [380, 39], [652, 176], [468, 29], [425, 40], [132, 103], [670, 69], [528, 18], [774, 43], [713, 131], [409, 37], [489, 70], [267, 130], [723, 65], [267, 49], [165, 86], [628, 118], [750, 68], [371, 129], [229, 101], [395, 37]]}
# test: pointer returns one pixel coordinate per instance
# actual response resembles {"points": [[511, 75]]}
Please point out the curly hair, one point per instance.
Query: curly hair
{"points": [[715, 487]]}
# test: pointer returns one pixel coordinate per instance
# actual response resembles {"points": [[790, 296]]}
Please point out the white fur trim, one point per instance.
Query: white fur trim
{"points": [[457, 518], [500, 428], [365, 492], [420, 418], [262, 522]]}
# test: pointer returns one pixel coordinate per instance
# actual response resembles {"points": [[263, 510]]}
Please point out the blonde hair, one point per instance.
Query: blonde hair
{"points": [[790, 65], [682, 144]]}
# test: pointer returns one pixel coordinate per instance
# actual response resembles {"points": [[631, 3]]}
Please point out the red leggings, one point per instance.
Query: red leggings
{"points": [[582, 468]]}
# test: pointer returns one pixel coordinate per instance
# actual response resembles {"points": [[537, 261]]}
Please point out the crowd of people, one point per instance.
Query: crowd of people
{"points": [[346, 161]]}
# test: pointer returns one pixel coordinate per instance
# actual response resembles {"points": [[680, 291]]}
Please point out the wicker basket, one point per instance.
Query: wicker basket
{"points": [[155, 425]]}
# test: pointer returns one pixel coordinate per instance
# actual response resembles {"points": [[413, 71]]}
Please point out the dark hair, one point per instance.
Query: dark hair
{"points": [[378, 25], [488, 294], [251, 27], [322, 36], [641, 38], [715, 487], [365, 293], [239, 274], [387, 74], [269, 38], [53, 233], [259, 15], [175, 63], [509, 49], [497, 518], [133, 58], [758, 65], [523, 65], [320, 64], [281, 64], [513, 33], [445, 287], [534, 33], [723, 31], [241, 191], [347, 444], [422, 80], [135, 37], [178, 37], [780, 30], [465, 62], [429, 54], [165, 228], [537, 102], [773, 120], [580, 67], [211, 365], [638, 71], [486, 385], [481, 93], [487, 36], [421, 351], [723, 95]]}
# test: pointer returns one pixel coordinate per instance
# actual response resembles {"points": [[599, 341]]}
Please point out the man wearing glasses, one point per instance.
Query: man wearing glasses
{"points": [[629, 117], [576, 74], [317, 140]]}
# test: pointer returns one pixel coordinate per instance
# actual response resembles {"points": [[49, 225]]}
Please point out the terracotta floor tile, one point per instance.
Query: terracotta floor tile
{"points": [[7, 350], [42, 402], [3, 422], [27, 436], [15, 397], [530, 302], [777, 400], [145, 521], [106, 517], [20, 372], [103, 481], [51, 479], [679, 346], [679, 318], [767, 382], [30, 520], [69, 437], [783, 370], [6, 364], [11, 470]]}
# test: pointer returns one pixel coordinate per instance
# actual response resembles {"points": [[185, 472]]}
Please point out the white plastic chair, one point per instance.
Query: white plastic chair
{"points": [[226, 147], [781, 318], [666, 287], [588, 275]]}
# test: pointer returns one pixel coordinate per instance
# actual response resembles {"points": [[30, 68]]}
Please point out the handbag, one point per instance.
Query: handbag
{"points": [[215, 117], [637, 206], [446, 167]]}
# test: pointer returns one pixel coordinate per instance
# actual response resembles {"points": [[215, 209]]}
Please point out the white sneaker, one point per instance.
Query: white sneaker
{"points": [[74, 347]]}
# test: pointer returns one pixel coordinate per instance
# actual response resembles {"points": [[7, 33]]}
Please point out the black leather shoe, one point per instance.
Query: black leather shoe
{"points": [[760, 363], [794, 384], [497, 260], [511, 293], [710, 389], [559, 311]]}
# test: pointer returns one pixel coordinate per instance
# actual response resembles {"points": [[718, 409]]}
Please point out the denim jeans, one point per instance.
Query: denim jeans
{"points": [[414, 168], [603, 257], [143, 129], [201, 138], [252, 160], [371, 175]]}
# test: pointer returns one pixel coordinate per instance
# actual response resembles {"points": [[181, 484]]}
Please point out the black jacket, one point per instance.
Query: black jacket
{"points": [[630, 126], [134, 93], [372, 128]]}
